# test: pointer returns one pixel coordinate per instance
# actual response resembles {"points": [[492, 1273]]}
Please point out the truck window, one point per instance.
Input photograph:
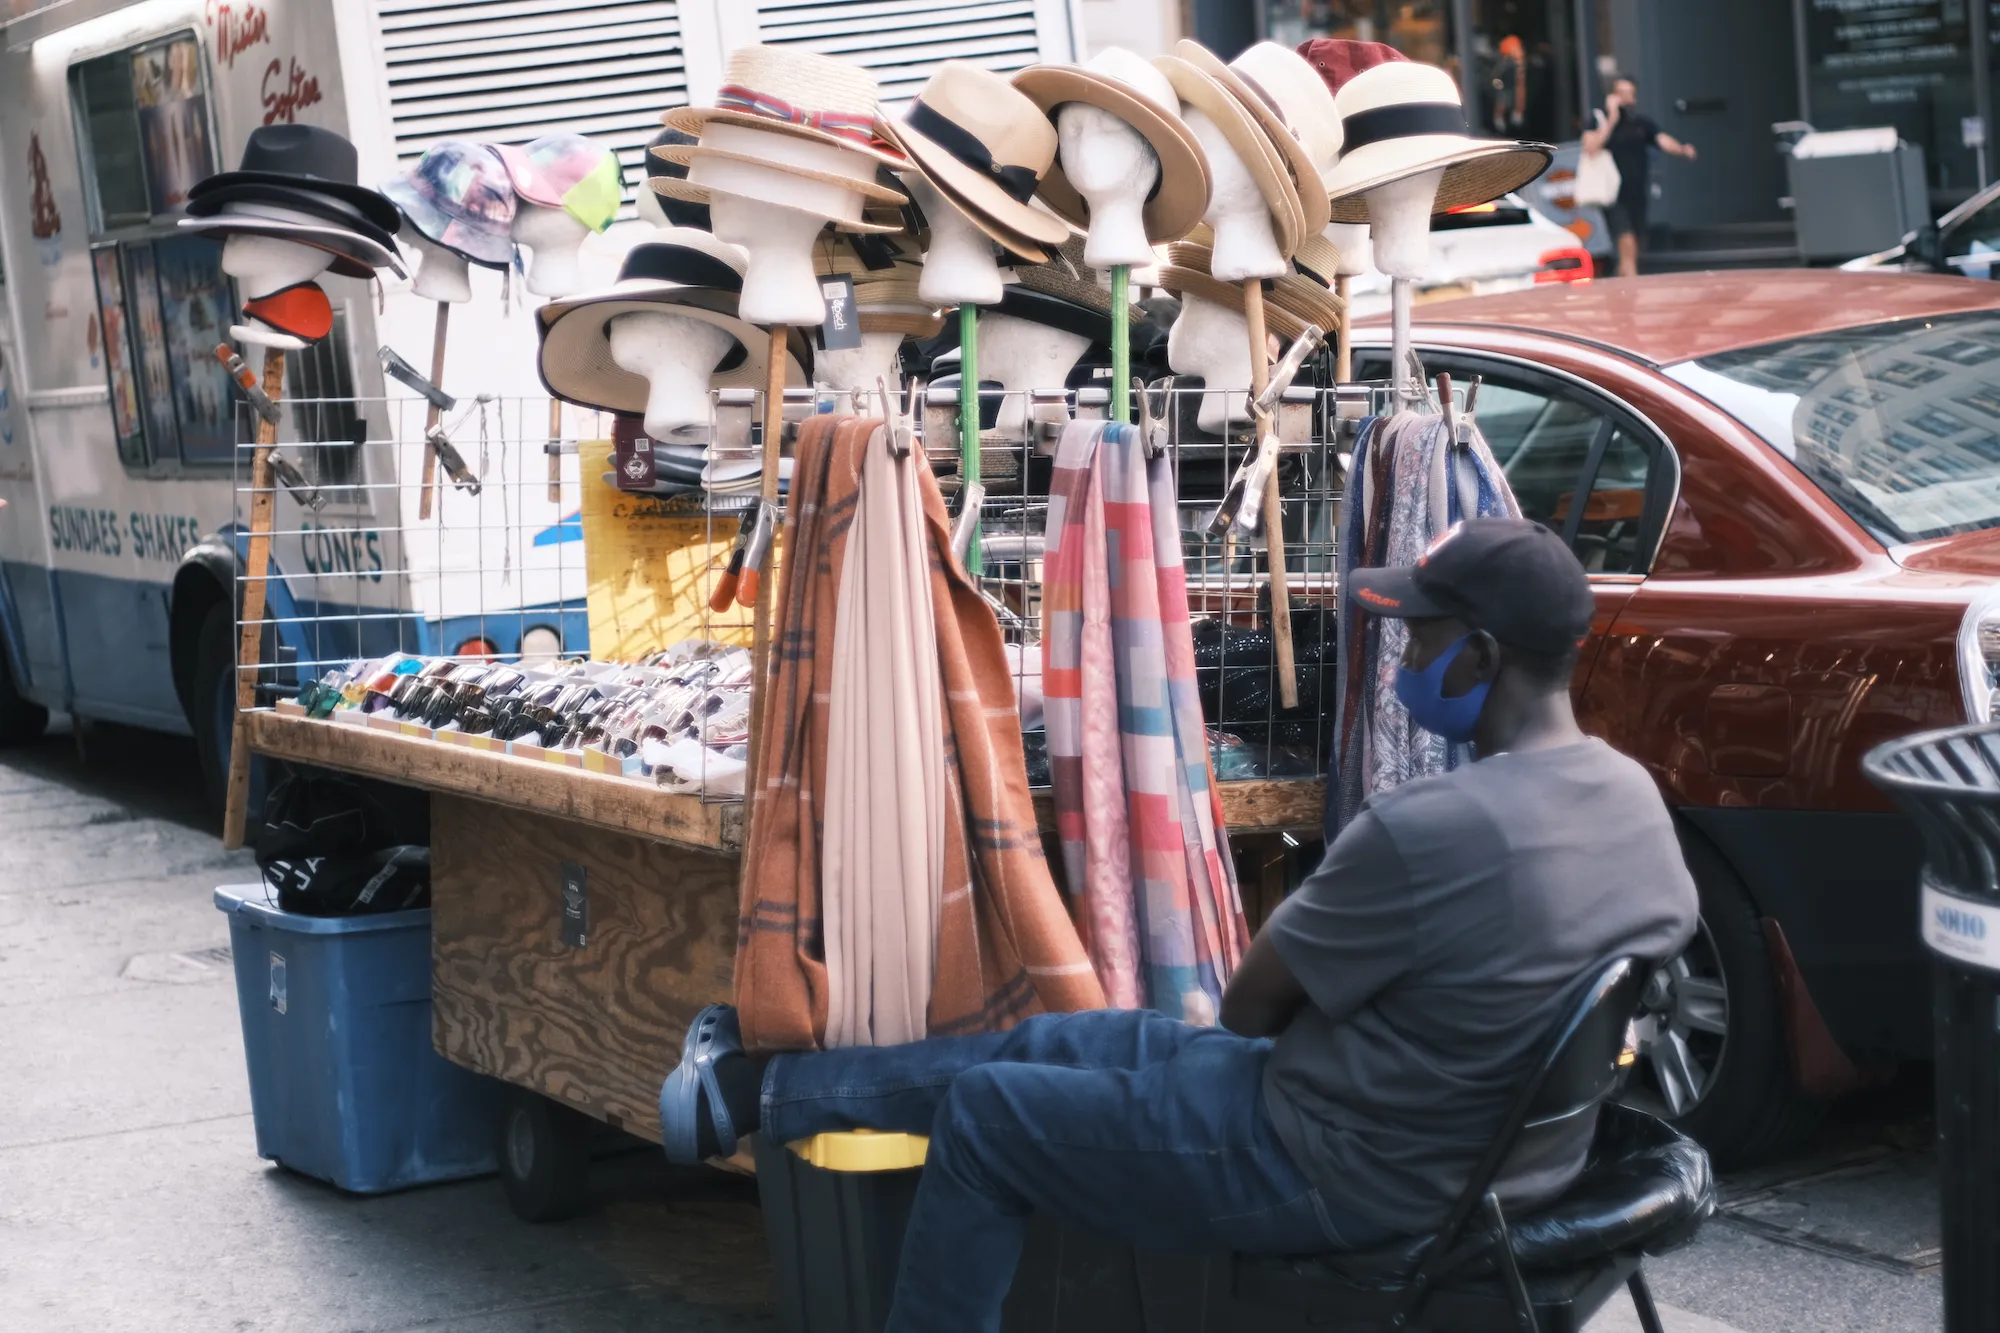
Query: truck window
{"points": [[145, 135]]}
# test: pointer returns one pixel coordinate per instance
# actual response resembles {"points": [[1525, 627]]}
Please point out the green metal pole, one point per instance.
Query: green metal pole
{"points": [[968, 422], [1121, 343]]}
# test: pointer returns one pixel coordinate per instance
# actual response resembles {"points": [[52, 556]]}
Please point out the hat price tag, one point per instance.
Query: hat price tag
{"points": [[633, 454], [841, 331]]}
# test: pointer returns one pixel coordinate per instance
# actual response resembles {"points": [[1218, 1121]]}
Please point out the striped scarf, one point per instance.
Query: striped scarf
{"points": [[1137, 809]]}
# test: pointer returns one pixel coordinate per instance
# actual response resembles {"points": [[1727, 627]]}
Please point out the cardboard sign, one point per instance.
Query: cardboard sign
{"points": [[651, 563]]}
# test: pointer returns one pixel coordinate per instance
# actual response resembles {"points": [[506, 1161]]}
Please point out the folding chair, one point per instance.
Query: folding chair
{"points": [[1646, 1189]]}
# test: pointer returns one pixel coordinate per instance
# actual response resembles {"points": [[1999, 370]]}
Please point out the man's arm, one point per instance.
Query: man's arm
{"points": [[1594, 140], [1669, 144], [1263, 995]]}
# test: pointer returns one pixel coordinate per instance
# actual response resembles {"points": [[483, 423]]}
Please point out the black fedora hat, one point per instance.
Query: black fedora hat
{"points": [[319, 204], [304, 157]]}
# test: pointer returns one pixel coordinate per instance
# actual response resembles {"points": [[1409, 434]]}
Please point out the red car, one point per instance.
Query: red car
{"points": [[1790, 512]]}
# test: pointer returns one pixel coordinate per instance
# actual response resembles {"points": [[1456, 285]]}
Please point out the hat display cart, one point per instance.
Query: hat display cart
{"points": [[291, 211]]}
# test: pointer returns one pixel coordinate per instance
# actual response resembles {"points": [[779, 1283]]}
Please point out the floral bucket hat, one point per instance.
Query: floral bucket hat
{"points": [[458, 196], [569, 172]]}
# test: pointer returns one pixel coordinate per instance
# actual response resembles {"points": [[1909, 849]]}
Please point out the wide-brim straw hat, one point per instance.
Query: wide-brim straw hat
{"points": [[913, 323], [354, 255], [1402, 119], [826, 181], [794, 92], [985, 146], [1318, 258], [1279, 318], [1272, 104], [1067, 277], [1182, 196], [1252, 144], [687, 273]]}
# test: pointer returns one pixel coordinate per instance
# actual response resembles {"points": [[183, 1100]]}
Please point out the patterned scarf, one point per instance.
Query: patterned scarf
{"points": [[1005, 946], [1137, 809]]}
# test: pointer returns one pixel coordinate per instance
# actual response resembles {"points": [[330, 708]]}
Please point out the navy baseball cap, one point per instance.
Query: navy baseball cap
{"points": [[1510, 577]]}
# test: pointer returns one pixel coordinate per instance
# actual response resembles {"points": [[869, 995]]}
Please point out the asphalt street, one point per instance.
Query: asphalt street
{"points": [[132, 1198]]}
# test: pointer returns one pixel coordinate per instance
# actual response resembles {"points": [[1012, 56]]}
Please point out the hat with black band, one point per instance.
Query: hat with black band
{"points": [[986, 147], [1402, 119], [1510, 577]]}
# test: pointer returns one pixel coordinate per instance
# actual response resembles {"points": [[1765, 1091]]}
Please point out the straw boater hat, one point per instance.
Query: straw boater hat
{"points": [[1117, 81], [986, 148], [785, 115], [1402, 119], [1292, 106], [1246, 135], [885, 297], [684, 272]]}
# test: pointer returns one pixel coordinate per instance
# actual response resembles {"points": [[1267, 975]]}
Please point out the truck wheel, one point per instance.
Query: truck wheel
{"points": [[1713, 1053], [544, 1157], [212, 701], [20, 720]]}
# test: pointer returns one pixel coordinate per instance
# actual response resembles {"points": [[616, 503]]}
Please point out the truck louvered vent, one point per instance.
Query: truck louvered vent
{"points": [[904, 40], [506, 71]]}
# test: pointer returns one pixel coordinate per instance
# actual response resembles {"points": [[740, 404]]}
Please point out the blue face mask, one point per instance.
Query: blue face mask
{"points": [[1422, 692]]}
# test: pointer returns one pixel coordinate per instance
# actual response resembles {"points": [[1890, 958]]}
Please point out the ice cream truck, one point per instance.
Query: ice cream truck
{"points": [[122, 436]]}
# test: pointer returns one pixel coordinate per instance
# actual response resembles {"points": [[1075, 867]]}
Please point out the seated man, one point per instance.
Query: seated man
{"points": [[1378, 1028]]}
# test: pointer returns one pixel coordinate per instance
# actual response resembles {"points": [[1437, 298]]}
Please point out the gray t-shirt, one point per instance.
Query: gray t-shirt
{"points": [[1437, 943]]}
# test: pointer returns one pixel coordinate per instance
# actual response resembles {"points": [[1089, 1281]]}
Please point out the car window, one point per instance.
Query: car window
{"points": [[1973, 242], [1899, 424]]}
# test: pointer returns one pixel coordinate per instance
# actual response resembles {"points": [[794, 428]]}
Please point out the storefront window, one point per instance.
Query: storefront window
{"points": [[1906, 63]]}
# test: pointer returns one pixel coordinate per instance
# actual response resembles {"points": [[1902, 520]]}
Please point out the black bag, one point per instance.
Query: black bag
{"points": [[332, 845]]}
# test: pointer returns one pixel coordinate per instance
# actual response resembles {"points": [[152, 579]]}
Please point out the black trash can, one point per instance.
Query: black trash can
{"points": [[1948, 782]]}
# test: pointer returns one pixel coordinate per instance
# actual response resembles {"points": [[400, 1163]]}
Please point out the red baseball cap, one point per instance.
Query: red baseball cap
{"points": [[1339, 59]]}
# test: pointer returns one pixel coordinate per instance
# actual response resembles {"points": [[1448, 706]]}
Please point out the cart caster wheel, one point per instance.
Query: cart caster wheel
{"points": [[544, 1158]]}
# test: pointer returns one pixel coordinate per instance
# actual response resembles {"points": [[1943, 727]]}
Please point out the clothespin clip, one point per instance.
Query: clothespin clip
{"points": [[758, 549], [726, 587], [295, 481], [1048, 414], [246, 380], [396, 367], [1465, 418], [968, 522], [1153, 426], [1243, 503], [450, 460], [1445, 406], [1302, 350], [899, 418], [735, 410]]}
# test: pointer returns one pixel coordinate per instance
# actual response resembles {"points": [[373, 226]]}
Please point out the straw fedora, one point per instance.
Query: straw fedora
{"points": [[985, 147], [1282, 313], [1131, 89], [787, 171], [684, 272], [1318, 258], [1250, 141], [1294, 109], [1403, 118], [796, 93]]}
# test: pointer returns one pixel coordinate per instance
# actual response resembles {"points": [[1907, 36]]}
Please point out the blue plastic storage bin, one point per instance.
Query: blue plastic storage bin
{"points": [[344, 1083]]}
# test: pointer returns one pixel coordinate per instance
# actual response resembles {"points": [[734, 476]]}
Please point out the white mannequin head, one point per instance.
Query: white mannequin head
{"points": [[1111, 164], [442, 275], [959, 267], [857, 368], [1245, 244], [780, 286], [552, 237], [1213, 341], [266, 264], [676, 355], [1024, 356], [1399, 222], [1351, 239], [646, 201]]}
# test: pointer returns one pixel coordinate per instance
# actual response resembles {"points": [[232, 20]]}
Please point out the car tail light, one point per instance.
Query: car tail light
{"points": [[476, 647], [1979, 659], [1569, 264]]}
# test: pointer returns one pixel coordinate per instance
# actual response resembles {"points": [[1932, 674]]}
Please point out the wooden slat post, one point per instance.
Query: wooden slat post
{"points": [[1274, 514], [1343, 340], [555, 451], [760, 615], [250, 632]]}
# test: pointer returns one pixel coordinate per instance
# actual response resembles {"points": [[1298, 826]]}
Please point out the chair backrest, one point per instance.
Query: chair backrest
{"points": [[1579, 1068]]}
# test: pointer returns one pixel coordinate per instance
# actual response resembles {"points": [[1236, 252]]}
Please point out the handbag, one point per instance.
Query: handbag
{"points": [[1597, 179]]}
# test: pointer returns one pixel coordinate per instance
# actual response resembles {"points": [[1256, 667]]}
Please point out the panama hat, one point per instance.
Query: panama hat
{"points": [[1251, 144], [1128, 87], [808, 175], [684, 272], [458, 196], [1294, 109], [799, 94], [569, 172], [307, 217], [303, 157], [986, 148], [1401, 119]]}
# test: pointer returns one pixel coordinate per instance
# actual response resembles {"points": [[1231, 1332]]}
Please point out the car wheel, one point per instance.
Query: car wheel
{"points": [[20, 720], [544, 1158], [1713, 1054]]}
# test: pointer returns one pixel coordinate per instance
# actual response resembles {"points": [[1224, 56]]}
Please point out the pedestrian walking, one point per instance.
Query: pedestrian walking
{"points": [[1630, 135]]}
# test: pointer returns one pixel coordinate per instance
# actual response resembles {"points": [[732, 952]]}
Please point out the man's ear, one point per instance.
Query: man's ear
{"points": [[1486, 655]]}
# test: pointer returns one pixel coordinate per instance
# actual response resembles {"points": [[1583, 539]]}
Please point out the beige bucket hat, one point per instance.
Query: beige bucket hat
{"points": [[1250, 140], [1402, 119], [1292, 106], [682, 272], [1131, 89], [986, 147]]}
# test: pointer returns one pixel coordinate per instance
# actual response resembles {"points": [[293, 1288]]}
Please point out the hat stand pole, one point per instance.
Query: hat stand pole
{"points": [[778, 355], [968, 425], [250, 633], [555, 451], [1274, 513], [432, 416], [1399, 341], [1121, 342], [1343, 345]]}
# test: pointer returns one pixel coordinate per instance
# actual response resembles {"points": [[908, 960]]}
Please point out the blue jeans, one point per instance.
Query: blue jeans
{"points": [[1126, 1122]]}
